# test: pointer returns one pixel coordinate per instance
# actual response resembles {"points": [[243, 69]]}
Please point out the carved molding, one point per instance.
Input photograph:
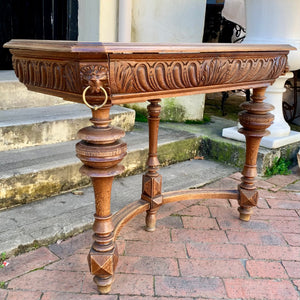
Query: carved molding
{"points": [[146, 74], [61, 76], [56, 75], [135, 76]]}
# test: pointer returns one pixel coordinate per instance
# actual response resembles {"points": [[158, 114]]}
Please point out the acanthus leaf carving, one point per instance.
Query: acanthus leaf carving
{"points": [[134, 76], [49, 74]]}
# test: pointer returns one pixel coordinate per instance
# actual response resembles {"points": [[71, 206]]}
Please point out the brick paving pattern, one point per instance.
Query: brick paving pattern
{"points": [[200, 250]]}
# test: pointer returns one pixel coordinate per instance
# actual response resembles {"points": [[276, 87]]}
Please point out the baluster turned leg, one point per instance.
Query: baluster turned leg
{"points": [[255, 119], [101, 151], [152, 180]]}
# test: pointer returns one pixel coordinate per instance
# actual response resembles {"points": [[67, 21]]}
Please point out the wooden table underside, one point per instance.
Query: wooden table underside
{"points": [[140, 72]]}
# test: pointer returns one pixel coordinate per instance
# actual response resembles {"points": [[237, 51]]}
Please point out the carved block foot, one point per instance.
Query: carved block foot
{"points": [[103, 265], [151, 190], [247, 200], [152, 194]]}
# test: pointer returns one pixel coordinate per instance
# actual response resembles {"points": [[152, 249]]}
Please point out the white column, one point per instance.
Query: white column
{"points": [[97, 20], [88, 20], [280, 132], [273, 22], [279, 127], [125, 12], [109, 21]]}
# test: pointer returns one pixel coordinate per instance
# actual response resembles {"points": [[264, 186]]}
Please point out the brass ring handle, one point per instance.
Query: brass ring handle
{"points": [[94, 107]]}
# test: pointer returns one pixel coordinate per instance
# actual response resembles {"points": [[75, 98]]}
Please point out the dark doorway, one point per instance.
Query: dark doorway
{"points": [[36, 19]]}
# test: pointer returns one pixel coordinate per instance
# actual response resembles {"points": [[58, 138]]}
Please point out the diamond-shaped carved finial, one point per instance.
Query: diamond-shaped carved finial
{"points": [[103, 264], [248, 197], [152, 185]]}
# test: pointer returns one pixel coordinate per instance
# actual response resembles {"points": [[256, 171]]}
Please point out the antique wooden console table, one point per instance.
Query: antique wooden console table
{"points": [[104, 74]]}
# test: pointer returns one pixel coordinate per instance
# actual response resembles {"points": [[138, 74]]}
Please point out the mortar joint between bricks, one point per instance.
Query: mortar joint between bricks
{"points": [[247, 251], [296, 287], [186, 251], [178, 265], [244, 263]]}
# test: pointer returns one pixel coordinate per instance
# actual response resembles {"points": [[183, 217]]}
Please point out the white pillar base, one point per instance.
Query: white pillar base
{"points": [[274, 93], [267, 141], [280, 132]]}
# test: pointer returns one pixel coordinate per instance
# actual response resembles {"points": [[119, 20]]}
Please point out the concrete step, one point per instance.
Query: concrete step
{"points": [[26, 127], [34, 173], [43, 222], [15, 94]]}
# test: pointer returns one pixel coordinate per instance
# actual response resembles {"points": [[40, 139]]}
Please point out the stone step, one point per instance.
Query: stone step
{"points": [[231, 152], [43, 222], [15, 94], [26, 127], [34, 173]]}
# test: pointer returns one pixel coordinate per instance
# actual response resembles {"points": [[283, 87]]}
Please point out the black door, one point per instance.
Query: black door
{"points": [[36, 19]]}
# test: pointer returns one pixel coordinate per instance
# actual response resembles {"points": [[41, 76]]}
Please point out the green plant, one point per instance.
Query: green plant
{"points": [[2, 259], [280, 166], [140, 117], [2, 284], [3, 256], [206, 119]]}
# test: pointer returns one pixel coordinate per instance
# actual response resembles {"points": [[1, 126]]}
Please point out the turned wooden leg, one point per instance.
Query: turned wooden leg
{"points": [[100, 151], [152, 180], [255, 119]]}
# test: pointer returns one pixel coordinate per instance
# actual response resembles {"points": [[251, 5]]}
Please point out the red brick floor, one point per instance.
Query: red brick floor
{"points": [[200, 250]]}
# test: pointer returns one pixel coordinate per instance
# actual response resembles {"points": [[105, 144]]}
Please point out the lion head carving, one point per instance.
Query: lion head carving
{"points": [[94, 76]]}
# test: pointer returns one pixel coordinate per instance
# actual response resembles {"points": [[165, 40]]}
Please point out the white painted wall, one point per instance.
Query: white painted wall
{"points": [[175, 21]]}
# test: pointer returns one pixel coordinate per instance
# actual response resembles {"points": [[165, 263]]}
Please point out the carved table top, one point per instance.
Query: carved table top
{"points": [[135, 72]]}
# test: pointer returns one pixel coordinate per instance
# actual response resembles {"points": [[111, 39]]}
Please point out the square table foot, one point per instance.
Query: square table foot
{"points": [[245, 213], [151, 219], [104, 284]]}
